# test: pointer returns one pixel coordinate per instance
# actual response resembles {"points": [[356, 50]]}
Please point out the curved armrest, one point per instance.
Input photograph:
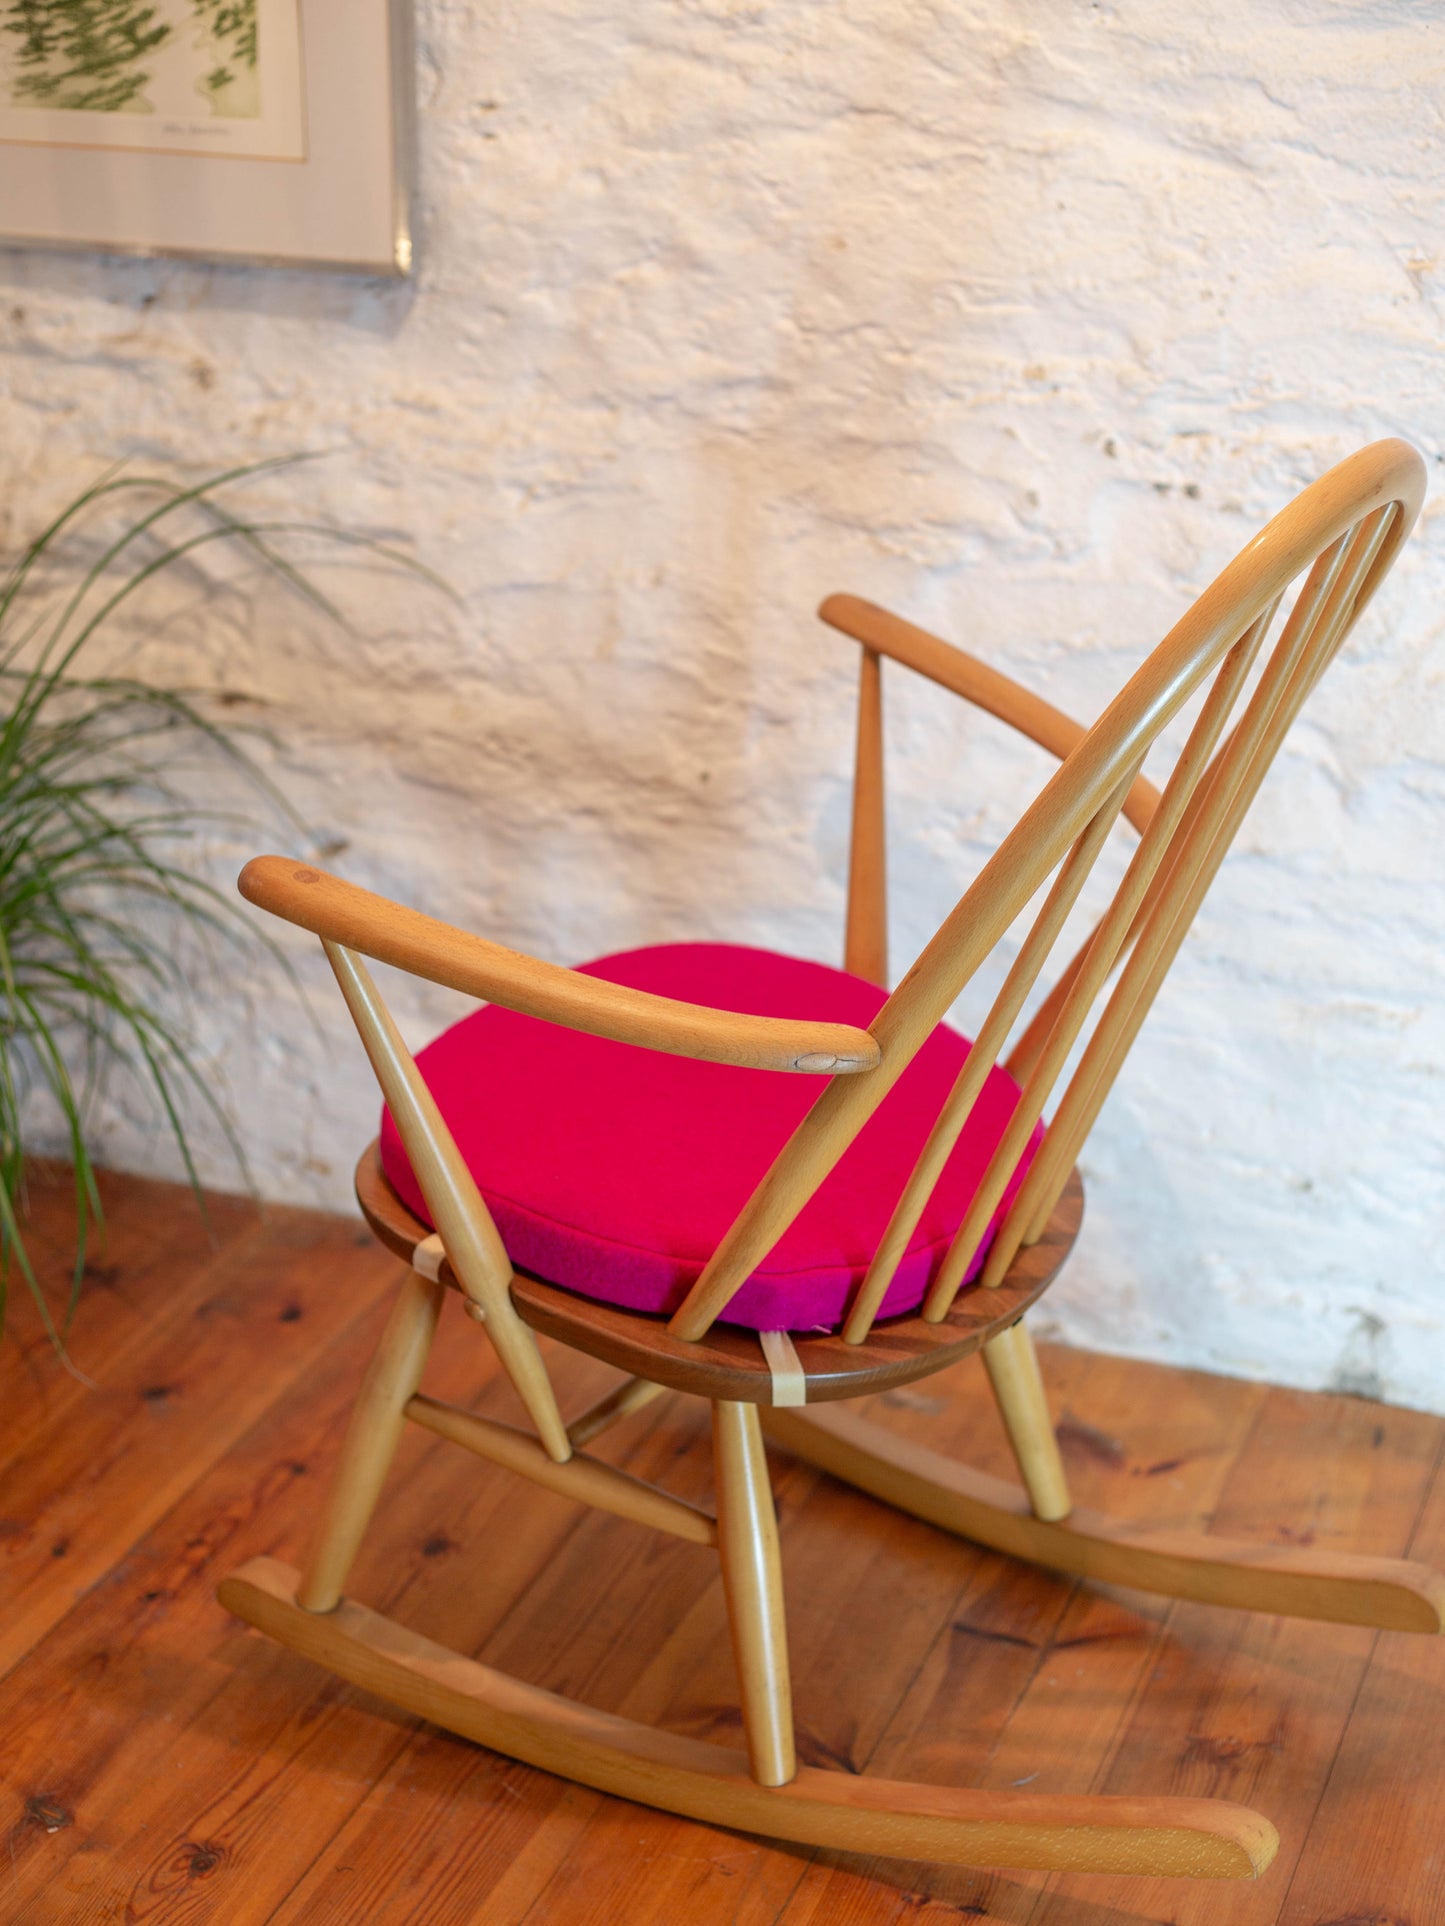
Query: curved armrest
{"points": [[339, 912], [965, 675]]}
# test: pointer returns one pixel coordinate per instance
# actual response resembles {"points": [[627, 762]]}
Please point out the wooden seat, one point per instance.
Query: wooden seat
{"points": [[1231, 675], [729, 1363]]}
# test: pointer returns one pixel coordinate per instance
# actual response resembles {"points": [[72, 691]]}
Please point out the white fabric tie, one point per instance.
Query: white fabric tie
{"points": [[428, 1257], [790, 1384]]}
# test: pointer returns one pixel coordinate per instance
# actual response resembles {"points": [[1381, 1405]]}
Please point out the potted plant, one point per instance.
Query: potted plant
{"points": [[94, 831]]}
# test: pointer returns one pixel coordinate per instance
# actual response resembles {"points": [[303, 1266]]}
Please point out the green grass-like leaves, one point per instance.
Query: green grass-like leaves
{"points": [[93, 832]]}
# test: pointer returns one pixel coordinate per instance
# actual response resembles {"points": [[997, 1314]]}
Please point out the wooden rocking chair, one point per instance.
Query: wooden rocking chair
{"points": [[929, 1152]]}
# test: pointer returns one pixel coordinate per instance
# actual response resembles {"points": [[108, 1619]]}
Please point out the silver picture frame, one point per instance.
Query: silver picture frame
{"points": [[333, 190]]}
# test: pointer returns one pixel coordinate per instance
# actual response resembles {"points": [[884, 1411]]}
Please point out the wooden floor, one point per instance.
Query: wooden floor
{"points": [[160, 1763]]}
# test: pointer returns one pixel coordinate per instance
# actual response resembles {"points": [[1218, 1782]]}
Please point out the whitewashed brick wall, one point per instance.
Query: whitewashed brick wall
{"points": [[1019, 318]]}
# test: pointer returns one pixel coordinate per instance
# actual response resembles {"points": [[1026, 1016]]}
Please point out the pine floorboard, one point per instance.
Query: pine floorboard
{"points": [[161, 1763]]}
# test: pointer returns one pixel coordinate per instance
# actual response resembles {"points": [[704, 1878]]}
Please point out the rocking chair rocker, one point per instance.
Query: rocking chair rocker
{"points": [[696, 1218]]}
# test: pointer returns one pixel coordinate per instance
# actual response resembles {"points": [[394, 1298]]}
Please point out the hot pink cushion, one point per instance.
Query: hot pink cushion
{"points": [[615, 1171]]}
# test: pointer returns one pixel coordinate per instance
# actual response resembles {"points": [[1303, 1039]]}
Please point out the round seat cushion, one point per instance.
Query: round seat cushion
{"points": [[615, 1171]]}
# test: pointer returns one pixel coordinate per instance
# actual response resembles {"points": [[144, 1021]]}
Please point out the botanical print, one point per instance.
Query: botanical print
{"points": [[260, 130], [232, 82], [168, 75], [99, 56], [85, 56]]}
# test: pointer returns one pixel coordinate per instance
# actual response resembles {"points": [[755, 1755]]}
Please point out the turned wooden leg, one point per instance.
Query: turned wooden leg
{"points": [[753, 1582], [377, 1419], [1013, 1371]]}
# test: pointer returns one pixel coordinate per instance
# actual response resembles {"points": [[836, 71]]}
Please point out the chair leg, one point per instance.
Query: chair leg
{"points": [[1013, 1371], [753, 1583], [377, 1420]]}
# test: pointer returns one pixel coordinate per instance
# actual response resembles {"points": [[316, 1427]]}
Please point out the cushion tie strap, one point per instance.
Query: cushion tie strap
{"points": [[428, 1257], [790, 1385]]}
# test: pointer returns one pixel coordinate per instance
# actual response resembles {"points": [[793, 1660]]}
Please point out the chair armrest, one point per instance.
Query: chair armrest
{"points": [[356, 919], [965, 675]]}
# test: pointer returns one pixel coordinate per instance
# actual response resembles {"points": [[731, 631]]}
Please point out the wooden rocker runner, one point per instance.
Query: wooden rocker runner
{"points": [[762, 1182]]}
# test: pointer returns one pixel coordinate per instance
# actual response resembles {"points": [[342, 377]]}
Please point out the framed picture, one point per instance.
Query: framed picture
{"points": [[259, 130]]}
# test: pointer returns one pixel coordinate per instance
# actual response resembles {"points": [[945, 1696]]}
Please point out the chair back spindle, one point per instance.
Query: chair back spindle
{"points": [[865, 946], [1341, 536], [1318, 624], [1072, 874], [1096, 963]]}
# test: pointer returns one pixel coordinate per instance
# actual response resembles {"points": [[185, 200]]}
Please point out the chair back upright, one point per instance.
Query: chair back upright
{"points": [[1336, 541]]}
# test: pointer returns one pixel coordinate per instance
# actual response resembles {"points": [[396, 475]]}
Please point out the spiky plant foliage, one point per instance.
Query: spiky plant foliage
{"points": [[93, 834]]}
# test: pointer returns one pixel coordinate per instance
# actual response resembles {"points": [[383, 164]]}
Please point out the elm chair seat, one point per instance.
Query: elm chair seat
{"points": [[615, 1171]]}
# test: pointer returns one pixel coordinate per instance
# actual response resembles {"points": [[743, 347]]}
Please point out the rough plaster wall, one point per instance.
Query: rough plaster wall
{"points": [[1018, 318]]}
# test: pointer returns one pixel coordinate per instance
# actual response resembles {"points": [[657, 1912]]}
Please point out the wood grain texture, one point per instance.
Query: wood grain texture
{"points": [[587, 1481], [1257, 1711], [357, 919], [1373, 1845], [158, 1763], [729, 1363], [138, 1245], [1025, 1680], [235, 1336], [1320, 618], [377, 1421], [1339, 1587], [753, 1586], [200, 1770], [952, 668], [1197, 1839], [865, 939], [1013, 1373], [981, 1059], [633, 1394]]}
